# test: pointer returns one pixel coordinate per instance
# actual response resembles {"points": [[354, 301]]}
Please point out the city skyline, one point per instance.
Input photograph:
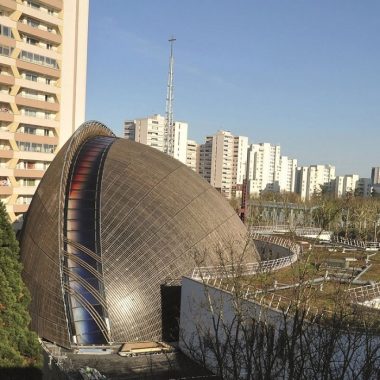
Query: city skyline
{"points": [[285, 73]]}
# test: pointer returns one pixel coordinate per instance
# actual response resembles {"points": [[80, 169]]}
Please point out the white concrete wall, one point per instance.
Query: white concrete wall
{"points": [[208, 323]]}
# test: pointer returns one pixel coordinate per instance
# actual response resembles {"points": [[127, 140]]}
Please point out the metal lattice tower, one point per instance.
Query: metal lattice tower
{"points": [[169, 122]]}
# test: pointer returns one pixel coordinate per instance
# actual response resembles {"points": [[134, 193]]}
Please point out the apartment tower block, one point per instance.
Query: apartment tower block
{"points": [[43, 57]]}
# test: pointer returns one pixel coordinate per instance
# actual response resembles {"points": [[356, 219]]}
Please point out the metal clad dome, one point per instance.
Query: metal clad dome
{"points": [[111, 221]]}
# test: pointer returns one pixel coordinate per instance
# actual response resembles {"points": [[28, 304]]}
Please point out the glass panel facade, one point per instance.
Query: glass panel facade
{"points": [[82, 267]]}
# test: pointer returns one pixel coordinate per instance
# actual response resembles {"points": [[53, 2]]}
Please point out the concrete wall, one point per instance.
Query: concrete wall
{"points": [[209, 333]]}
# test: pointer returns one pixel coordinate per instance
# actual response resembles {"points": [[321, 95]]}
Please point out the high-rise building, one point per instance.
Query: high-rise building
{"points": [[346, 185], [287, 175], [263, 170], [151, 131], [192, 155], [239, 165], [180, 141], [315, 179], [205, 159], [148, 131], [364, 187], [222, 162], [375, 175], [43, 56]]}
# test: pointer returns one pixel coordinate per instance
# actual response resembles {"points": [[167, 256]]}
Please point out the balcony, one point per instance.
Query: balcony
{"points": [[46, 106], [6, 114], [7, 79], [40, 122], [39, 33], [29, 173], [20, 208], [36, 68], [56, 4], [9, 4], [52, 140], [6, 41], [5, 186], [6, 153]]}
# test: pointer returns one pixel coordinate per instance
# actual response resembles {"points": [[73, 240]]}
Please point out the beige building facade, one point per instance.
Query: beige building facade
{"points": [[151, 131], [315, 179], [192, 155], [43, 59], [222, 162]]}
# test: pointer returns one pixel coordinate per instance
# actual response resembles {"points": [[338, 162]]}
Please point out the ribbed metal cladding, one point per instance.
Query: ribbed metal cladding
{"points": [[82, 264], [41, 247], [155, 217]]}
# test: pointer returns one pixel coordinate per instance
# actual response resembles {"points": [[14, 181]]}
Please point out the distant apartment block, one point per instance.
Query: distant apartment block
{"points": [[315, 179], [267, 170], [222, 162], [345, 185], [147, 131], [287, 176], [239, 164], [180, 141], [43, 56], [205, 159], [263, 168], [192, 155], [375, 175], [364, 187], [151, 131]]}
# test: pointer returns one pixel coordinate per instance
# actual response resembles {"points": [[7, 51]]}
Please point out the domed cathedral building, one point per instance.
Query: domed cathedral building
{"points": [[111, 222]]}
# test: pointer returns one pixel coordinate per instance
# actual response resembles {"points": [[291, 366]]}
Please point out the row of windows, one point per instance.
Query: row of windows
{"points": [[33, 165], [37, 6], [37, 25], [34, 112], [32, 130], [34, 147], [5, 31], [39, 59], [37, 78], [30, 94]]}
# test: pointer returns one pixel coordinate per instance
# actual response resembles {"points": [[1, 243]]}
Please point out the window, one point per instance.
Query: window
{"points": [[32, 23], [31, 41], [6, 50], [30, 76], [5, 31], [34, 147], [38, 59], [32, 5]]}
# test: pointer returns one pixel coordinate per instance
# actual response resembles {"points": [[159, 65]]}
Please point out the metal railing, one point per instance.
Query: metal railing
{"points": [[284, 228], [359, 244], [271, 300], [246, 269], [364, 293]]}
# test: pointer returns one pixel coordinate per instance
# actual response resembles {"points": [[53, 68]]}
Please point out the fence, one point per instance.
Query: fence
{"points": [[364, 293], [359, 244], [314, 232], [225, 271], [271, 299]]}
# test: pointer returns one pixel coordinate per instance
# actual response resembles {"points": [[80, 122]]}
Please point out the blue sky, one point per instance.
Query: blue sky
{"points": [[302, 74]]}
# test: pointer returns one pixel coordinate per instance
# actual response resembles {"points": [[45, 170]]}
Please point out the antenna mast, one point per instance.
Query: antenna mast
{"points": [[169, 122]]}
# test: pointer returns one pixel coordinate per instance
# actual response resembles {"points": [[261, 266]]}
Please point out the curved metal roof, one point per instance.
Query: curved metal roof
{"points": [[109, 224]]}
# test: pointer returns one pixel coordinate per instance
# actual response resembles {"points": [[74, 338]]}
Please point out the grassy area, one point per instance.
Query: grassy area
{"points": [[316, 263]]}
